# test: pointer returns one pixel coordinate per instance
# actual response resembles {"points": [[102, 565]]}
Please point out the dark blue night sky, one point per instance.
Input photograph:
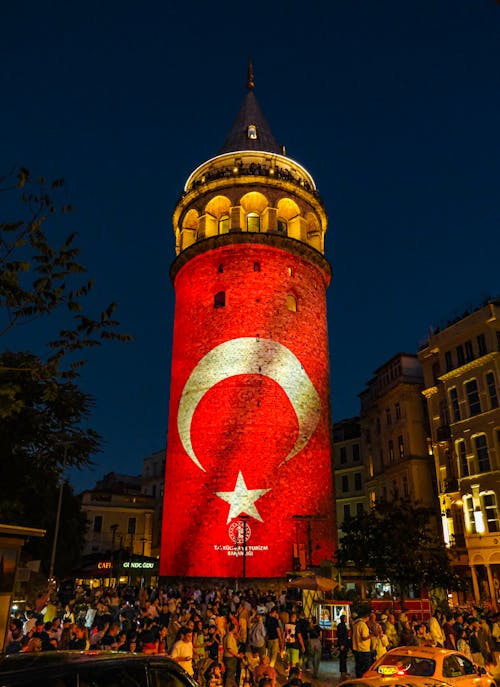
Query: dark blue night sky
{"points": [[394, 108]]}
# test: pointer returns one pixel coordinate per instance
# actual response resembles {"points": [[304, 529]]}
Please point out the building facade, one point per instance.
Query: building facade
{"points": [[349, 470], [461, 364], [394, 428], [153, 480], [249, 450], [119, 516]]}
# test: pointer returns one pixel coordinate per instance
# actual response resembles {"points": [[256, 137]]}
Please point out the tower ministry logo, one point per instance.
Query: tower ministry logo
{"points": [[240, 533]]}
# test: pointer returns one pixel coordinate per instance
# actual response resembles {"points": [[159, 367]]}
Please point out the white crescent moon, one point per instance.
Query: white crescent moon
{"points": [[248, 355]]}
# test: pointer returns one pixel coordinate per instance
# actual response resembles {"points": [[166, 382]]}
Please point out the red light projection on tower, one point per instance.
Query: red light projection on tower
{"points": [[248, 442]]}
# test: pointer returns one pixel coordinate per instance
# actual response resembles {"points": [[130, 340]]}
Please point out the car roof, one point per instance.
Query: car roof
{"points": [[67, 661], [424, 651]]}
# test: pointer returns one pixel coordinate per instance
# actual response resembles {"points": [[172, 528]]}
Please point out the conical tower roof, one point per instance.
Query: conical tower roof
{"points": [[250, 130]]}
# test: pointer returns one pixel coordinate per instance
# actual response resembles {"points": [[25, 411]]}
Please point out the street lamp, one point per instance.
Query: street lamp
{"points": [[244, 518], [58, 518]]}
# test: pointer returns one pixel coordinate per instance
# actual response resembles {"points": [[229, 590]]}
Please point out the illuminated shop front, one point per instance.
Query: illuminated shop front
{"points": [[103, 571]]}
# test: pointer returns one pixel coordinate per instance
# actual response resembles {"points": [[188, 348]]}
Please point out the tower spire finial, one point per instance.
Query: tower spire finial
{"points": [[250, 82]]}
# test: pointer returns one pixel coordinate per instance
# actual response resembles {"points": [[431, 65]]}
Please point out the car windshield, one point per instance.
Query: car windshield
{"points": [[393, 664]]}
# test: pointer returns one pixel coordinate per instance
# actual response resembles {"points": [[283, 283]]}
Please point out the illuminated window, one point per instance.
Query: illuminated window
{"points": [[401, 446], [482, 454], [492, 390], [282, 226], [470, 523], [291, 272], [472, 393], [253, 222], [291, 303], [463, 465], [489, 500], [220, 299], [224, 224], [256, 267], [455, 408], [252, 131]]}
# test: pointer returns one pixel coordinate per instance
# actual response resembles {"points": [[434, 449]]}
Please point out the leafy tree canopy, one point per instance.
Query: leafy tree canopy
{"points": [[43, 413], [398, 541], [39, 279]]}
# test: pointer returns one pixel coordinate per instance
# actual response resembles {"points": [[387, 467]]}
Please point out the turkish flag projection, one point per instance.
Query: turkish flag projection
{"points": [[248, 456]]}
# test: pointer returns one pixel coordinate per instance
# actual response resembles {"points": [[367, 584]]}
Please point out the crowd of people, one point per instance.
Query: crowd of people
{"points": [[475, 635], [235, 639]]}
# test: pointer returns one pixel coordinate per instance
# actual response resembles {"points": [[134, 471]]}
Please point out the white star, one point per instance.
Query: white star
{"points": [[242, 499]]}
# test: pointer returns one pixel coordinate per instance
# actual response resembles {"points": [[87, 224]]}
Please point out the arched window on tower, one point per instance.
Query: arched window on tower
{"points": [[256, 267], [224, 224], [253, 222], [291, 303], [220, 299]]}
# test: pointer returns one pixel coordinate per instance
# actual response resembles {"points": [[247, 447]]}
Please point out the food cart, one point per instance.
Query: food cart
{"points": [[327, 613]]}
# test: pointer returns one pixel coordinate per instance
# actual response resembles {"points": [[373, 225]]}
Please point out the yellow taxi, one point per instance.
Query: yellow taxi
{"points": [[445, 665]]}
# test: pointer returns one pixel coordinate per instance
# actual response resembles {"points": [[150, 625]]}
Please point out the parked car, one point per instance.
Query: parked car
{"points": [[429, 661], [91, 669]]}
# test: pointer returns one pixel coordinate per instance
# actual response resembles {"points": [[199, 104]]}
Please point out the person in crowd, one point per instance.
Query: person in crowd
{"points": [[435, 629], [343, 646], [292, 646], [315, 646], [264, 669], [231, 656], [463, 644], [450, 640], [182, 651], [275, 643], [361, 643], [391, 631], [257, 634]]}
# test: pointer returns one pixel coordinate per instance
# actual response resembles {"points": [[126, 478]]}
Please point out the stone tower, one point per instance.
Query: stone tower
{"points": [[248, 487]]}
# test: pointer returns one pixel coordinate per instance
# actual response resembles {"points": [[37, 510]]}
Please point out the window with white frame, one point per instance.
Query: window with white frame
{"points": [[492, 390], [482, 453], [470, 523], [489, 502], [455, 408], [463, 465], [485, 513], [472, 393]]}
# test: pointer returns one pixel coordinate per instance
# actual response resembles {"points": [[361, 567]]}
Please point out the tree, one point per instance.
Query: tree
{"points": [[40, 280], [396, 540], [41, 406], [39, 440]]}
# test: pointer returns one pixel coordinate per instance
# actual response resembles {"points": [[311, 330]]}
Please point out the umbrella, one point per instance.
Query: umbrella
{"points": [[315, 583]]}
